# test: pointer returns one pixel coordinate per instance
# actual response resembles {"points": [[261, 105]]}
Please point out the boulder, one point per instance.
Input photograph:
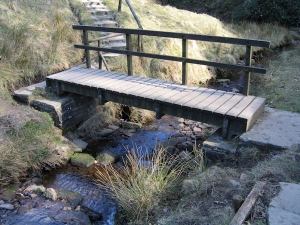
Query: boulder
{"points": [[51, 194], [73, 198], [72, 217], [106, 157], [65, 153], [7, 206], [82, 160], [10, 191]]}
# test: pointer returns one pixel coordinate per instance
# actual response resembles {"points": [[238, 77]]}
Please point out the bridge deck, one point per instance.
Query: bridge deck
{"points": [[229, 110]]}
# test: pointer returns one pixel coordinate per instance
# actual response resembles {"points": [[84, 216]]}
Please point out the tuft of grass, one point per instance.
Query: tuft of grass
{"points": [[140, 185]]}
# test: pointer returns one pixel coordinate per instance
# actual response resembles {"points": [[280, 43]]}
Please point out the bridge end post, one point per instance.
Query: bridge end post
{"points": [[248, 74], [87, 52]]}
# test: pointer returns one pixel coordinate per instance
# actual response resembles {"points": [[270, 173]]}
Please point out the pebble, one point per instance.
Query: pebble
{"points": [[33, 196]]}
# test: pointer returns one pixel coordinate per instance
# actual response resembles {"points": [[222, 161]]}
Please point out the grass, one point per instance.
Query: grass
{"points": [[281, 84], [153, 16], [140, 185], [27, 145]]}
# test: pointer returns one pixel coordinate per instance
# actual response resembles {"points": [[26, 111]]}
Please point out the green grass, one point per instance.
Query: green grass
{"points": [[281, 84]]}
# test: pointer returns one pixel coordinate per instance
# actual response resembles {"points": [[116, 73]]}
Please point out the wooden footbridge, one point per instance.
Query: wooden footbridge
{"points": [[235, 112]]}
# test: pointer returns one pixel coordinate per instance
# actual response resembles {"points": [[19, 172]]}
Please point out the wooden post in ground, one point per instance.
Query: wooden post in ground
{"points": [[129, 57], [87, 52], [120, 6], [184, 64], [247, 73], [99, 56]]}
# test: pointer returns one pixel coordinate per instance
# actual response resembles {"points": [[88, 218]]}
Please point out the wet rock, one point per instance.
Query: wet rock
{"points": [[106, 132], [170, 144], [93, 215], [73, 198], [1, 202], [35, 189], [7, 206], [185, 155], [197, 130], [82, 160], [106, 157], [131, 125], [33, 196], [73, 217], [51, 194], [127, 133], [80, 144], [180, 120], [24, 209]]}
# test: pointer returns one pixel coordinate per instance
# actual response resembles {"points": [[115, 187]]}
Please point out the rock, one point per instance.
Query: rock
{"points": [[180, 120], [51, 194], [235, 183], [10, 191], [36, 180], [24, 209], [80, 144], [7, 206], [185, 155], [113, 127], [65, 153], [35, 189], [169, 144], [197, 130], [73, 198], [82, 160], [243, 177], [72, 217], [1, 202], [106, 157], [93, 215], [127, 133], [131, 125], [33, 196], [106, 132]]}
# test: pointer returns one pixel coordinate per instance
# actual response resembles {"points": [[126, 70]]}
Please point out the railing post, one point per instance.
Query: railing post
{"points": [[120, 6], [140, 43], [87, 52], [184, 64], [247, 73], [129, 57], [99, 56]]}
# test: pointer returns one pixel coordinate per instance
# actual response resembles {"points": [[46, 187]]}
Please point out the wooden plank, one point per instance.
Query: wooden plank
{"points": [[67, 74], [229, 104], [190, 96], [65, 71], [248, 204], [131, 89], [178, 96], [102, 80], [151, 92], [162, 91], [206, 102], [204, 95], [143, 89], [219, 102], [83, 77], [253, 111], [73, 75], [238, 108]]}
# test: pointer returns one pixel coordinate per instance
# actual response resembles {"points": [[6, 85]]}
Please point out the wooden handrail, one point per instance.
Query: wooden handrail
{"points": [[140, 37], [249, 43]]}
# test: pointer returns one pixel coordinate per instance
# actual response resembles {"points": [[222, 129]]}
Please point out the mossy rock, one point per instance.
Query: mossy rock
{"points": [[131, 125], [10, 191], [106, 157], [82, 160], [74, 199]]}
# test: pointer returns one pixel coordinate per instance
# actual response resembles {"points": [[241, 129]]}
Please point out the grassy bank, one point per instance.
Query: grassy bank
{"points": [[36, 39], [153, 16]]}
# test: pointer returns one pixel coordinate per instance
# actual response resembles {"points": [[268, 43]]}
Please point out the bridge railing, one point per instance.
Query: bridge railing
{"points": [[248, 43]]}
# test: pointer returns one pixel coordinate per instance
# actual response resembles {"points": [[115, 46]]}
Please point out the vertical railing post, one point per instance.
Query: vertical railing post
{"points": [[140, 43], [184, 64], [99, 56], [120, 6], [87, 52], [246, 88], [129, 57]]}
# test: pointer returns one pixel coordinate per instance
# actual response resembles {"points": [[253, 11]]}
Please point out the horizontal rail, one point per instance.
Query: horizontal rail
{"points": [[174, 58], [197, 37]]}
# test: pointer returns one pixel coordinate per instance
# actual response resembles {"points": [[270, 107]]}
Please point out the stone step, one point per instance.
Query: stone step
{"points": [[99, 11], [96, 7], [106, 23], [92, 1], [120, 38], [115, 45], [103, 17], [110, 55]]}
